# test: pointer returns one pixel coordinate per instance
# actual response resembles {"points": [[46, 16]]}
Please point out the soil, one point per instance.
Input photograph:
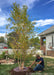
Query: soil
{"points": [[21, 73]]}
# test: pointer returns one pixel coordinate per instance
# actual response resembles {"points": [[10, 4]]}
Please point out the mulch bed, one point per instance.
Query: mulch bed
{"points": [[30, 70], [5, 61]]}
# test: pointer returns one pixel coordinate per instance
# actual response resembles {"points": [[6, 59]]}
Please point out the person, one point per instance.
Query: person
{"points": [[39, 64]]}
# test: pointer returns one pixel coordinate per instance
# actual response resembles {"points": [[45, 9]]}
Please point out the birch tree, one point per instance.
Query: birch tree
{"points": [[22, 26]]}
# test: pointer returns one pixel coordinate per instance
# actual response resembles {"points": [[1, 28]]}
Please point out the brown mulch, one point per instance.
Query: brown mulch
{"points": [[5, 61], [22, 73]]}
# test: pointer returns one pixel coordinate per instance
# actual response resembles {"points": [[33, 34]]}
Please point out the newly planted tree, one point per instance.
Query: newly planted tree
{"points": [[22, 27]]}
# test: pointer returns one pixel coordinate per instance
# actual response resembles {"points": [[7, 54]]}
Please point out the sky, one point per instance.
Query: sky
{"points": [[40, 11]]}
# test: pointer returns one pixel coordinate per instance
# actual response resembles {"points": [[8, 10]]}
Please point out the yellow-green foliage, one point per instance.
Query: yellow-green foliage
{"points": [[22, 26]]}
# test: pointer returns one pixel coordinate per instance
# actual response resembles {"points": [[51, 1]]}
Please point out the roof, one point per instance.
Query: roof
{"points": [[50, 30]]}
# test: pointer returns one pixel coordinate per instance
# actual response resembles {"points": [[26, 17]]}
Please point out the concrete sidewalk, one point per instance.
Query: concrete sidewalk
{"points": [[48, 57]]}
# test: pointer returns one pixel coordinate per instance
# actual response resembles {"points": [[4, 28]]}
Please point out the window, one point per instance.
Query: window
{"points": [[52, 40]]}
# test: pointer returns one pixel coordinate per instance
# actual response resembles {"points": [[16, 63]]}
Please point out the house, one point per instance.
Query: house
{"points": [[48, 35], [3, 46]]}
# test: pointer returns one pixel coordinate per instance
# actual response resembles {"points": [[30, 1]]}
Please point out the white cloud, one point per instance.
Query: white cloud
{"points": [[48, 2], [3, 20], [0, 10], [44, 22], [2, 34], [7, 3], [29, 3]]}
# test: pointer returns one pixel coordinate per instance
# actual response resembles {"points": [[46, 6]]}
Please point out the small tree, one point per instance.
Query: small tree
{"points": [[23, 27], [1, 39]]}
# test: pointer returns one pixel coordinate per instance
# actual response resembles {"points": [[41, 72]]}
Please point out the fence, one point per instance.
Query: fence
{"points": [[10, 51]]}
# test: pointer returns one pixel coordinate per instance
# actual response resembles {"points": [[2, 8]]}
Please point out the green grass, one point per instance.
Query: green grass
{"points": [[49, 67]]}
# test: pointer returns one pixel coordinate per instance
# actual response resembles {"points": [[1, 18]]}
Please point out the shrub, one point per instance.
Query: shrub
{"points": [[3, 55], [11, 56]]}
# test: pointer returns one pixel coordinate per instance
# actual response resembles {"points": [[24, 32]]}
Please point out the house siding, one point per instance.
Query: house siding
{"points": [[48, 40], [49, 43]]}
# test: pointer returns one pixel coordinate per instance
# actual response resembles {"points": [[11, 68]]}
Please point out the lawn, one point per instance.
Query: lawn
{"points": [[49, 67]]}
